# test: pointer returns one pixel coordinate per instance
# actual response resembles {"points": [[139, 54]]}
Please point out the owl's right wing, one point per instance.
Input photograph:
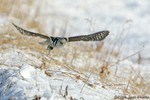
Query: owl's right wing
{"points": [[98, 36], [29, 33]]}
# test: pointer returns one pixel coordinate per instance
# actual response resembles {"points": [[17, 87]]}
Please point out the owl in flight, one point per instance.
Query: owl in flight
{"points": [[54, 42]]}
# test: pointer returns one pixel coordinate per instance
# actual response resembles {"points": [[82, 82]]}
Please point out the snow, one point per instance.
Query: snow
{"points": [[18, 58], [21, 83], [26, 81], [21, 78]]}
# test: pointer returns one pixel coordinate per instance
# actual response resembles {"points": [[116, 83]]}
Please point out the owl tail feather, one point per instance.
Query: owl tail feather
{"points": [[43, 43]]}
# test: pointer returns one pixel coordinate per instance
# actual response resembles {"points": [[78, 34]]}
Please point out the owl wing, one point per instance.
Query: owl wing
{"points": [[98, 36], [29, 33]]}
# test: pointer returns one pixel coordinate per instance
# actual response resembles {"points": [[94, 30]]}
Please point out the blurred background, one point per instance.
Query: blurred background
{"points": [[127, 20]]}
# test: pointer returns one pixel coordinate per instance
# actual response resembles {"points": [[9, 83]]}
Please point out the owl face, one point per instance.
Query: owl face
{"points": [[58, 42]]}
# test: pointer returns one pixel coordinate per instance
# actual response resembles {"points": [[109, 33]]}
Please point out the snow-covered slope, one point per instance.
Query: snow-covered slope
{"points": [[24, 82]]}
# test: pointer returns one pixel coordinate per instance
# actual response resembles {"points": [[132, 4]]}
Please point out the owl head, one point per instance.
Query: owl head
{"points": [[58, 42]]}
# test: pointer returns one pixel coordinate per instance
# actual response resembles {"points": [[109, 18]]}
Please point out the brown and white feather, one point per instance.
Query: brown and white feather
{"points": [[98, 36]]}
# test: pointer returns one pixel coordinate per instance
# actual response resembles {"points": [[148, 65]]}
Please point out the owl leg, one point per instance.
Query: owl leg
{"points": [[49, 48]]}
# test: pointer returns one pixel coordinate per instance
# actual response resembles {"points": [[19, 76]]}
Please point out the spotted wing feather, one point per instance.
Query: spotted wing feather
{"points": [[98, 36], [29, 33]]}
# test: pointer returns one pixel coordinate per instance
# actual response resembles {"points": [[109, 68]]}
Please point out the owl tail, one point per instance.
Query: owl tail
{"points": [[44, 42]]}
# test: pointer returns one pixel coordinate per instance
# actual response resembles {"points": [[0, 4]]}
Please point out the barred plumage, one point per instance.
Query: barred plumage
{"points": [[25, 32], [98, 36], [53, 42]]}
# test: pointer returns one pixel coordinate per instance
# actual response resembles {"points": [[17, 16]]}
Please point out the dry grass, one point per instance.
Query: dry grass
{"points": [[135, 83]]}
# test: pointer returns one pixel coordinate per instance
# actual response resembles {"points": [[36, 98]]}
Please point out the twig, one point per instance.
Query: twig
{"points": [[66, 92], [126, 58], [85, 83]]}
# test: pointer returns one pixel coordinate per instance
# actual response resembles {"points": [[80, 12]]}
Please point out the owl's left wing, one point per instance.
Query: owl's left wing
{"points": [[98, 36]]}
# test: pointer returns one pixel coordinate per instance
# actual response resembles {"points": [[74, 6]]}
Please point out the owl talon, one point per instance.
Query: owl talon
{"points": [[49, 48]]}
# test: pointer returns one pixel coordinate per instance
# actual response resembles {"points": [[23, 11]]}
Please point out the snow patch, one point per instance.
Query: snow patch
{"points": [[23, 83]]}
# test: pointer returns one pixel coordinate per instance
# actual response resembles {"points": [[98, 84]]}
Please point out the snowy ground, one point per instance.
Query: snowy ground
{"points": [[128, 23], [26, 82]]}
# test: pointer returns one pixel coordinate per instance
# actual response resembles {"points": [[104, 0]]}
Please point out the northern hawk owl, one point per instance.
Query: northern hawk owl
{"points": [[54, 42]]}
